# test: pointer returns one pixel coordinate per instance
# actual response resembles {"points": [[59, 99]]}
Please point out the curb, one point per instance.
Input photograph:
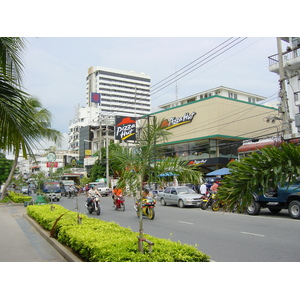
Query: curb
{"points": [[63, 250]]}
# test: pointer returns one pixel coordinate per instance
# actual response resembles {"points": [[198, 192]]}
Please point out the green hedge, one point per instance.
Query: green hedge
{"points": [[96, 240], [16, 197]]}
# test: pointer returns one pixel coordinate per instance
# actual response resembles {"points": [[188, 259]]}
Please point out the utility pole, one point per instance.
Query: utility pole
{"points": [[283, 108], [107, 144]]}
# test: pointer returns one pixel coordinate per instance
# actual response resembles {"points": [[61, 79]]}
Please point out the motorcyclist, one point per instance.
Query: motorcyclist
{"points": [[91, 193], [71, 191], [145, 196], [116, 193]]}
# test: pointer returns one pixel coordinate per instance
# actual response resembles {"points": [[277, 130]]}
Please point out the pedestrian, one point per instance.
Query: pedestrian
{"points": [[203, 189], [214, 187], [86, 189]]}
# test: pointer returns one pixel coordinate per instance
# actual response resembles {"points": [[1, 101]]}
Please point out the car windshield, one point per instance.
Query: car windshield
{"points": [[185, 190]]}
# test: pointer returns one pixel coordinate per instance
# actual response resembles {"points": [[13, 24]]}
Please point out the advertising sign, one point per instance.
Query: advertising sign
{"points": [[177, 121], [125, 128], [51, 164]]}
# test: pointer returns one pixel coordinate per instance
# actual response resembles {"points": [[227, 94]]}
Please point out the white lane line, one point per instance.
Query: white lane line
{"points": [[186, 222], [255, 234]]}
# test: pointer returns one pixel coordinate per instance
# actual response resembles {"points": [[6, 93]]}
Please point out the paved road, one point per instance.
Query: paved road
{"points": [[226, 237]]}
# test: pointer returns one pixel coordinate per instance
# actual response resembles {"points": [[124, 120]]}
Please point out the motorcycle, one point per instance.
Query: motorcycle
{"points": [[217, 204], [207, 201], [120, 203], [147, 208], [94, 205]]}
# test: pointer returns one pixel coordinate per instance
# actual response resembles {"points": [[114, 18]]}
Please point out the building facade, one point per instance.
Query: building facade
{"points": [[122, 92], [207, 132], [220, 91]]}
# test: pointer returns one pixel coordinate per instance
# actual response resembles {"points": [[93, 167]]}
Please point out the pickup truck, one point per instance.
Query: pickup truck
{"points": [[285, 197]]}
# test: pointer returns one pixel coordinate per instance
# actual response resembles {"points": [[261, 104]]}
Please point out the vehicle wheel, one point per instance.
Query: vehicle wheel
{"points": [[98, 210], [181, 204], [215, 206], [151, 213], [274, 210], [253, 208], [90, 210], [294, 209], [122, 206], [163, 202], [203, 205]]}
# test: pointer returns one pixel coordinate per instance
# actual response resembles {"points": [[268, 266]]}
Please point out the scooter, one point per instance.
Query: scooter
{"points": [[147, 208], [120, 203], [94, 205]]}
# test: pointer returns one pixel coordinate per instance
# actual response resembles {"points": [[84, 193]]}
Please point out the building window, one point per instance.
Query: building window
{"points": [[251, 100], [232, 95]]}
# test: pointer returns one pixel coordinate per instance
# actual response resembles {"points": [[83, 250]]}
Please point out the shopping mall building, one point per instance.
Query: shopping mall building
{"points": [[207, 128]]}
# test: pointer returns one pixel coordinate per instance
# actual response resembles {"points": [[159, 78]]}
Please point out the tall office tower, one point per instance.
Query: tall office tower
{"points": [[124, 93]]}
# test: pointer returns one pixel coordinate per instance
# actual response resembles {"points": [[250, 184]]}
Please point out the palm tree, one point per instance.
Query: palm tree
{"points": [[259, 172], [14, 116], [140, 163], [39, 127]]}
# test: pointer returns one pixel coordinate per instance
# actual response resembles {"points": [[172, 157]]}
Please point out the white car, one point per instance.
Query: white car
{"points": [[179, 195], [102, 188]]}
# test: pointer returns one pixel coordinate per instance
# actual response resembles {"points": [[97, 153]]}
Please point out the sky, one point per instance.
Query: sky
{"points": [[157, 39], [56, 67]]}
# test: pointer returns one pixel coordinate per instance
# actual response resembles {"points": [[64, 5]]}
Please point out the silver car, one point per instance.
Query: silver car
{"points": [[179, 195]]}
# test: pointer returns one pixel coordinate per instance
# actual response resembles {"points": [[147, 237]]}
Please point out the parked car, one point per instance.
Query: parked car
{"points": [[179, 195]]}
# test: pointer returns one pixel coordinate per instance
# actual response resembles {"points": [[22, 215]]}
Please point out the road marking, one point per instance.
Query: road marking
{"points": [[186, 222], [255, 234]]}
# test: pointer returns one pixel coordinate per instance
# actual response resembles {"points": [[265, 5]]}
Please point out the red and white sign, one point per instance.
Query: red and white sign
{"points": [[52, 164]]}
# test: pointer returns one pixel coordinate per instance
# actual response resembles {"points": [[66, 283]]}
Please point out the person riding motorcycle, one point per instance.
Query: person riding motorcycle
{"points": [[115, 193], [91, 193]]}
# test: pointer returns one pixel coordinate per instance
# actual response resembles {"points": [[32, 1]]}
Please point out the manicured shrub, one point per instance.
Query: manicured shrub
{"points": [[17, 197], [97, 240]]}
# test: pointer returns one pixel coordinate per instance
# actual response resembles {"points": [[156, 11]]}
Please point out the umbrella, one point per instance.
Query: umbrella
{"points": [[223, 171], [167, 174]]}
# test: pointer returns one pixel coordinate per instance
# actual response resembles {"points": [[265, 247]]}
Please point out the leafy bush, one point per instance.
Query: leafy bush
{"points": [[16, 197], [97, 240]]}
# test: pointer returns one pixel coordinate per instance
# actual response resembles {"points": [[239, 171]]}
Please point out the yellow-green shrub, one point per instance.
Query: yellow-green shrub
{"points": [[98, 240]]}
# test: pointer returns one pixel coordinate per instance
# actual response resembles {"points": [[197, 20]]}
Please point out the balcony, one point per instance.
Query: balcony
{"points": [[291, 60]]}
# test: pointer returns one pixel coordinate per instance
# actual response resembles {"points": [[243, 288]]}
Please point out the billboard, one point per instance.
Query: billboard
{"points": [[125, 128]]}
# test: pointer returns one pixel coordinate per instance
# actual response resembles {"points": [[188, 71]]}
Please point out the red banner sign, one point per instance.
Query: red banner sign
{"points": [[52, 164]]}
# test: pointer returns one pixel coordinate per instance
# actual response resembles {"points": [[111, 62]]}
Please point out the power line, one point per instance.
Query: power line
{"points": [[160, 86]]}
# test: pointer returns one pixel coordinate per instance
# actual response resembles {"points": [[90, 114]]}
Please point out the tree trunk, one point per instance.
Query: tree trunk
{"points": [[12, 171]]}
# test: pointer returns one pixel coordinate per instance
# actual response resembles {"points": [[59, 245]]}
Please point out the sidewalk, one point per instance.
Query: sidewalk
{"points": [[23, 241]]}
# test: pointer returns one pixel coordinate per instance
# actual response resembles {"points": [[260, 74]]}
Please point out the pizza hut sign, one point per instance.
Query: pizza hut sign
{"points": [[125, 128], [177, 121]]}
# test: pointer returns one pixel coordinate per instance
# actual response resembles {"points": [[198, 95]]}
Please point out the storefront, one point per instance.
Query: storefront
{"points": [[208, 132]]}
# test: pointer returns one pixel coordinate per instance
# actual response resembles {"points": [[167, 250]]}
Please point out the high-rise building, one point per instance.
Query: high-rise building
{"points": [[115, 92], [121, 92]]}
